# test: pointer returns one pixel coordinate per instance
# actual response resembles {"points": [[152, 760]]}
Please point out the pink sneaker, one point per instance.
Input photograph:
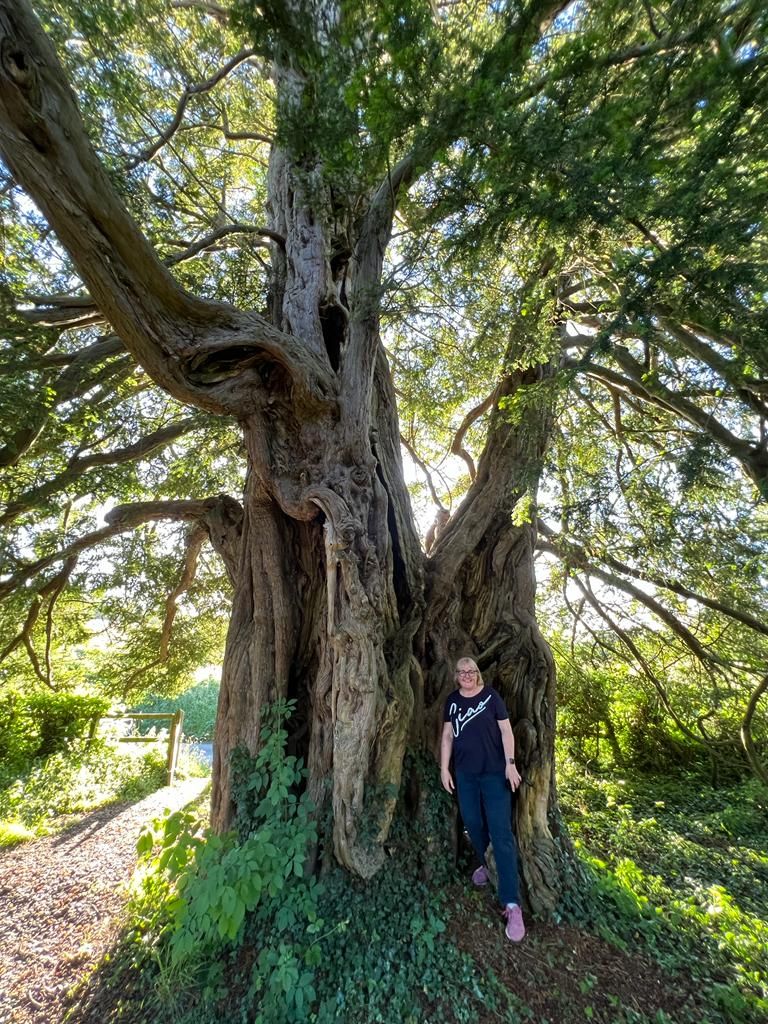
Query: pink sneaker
{"points": [[480, 876], [515, 929]]}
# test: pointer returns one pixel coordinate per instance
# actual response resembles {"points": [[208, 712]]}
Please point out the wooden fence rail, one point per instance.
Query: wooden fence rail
{"points": [[176, 719]]}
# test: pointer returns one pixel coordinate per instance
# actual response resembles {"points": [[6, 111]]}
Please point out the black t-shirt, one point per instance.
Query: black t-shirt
{"points": [[477, 746]]}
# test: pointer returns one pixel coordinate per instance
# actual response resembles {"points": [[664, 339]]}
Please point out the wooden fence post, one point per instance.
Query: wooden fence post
{"points": [[174, 743]]}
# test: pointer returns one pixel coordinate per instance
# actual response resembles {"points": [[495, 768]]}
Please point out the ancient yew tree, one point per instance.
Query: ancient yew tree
{"points": [[387, 122]]}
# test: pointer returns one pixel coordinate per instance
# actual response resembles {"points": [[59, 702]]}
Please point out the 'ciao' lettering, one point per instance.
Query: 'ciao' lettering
{"points": [[461, 719]]}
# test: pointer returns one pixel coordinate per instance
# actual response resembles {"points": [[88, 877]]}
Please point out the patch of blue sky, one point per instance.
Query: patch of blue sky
{"points": [[746, 52], [568, 22], [571, 17]]}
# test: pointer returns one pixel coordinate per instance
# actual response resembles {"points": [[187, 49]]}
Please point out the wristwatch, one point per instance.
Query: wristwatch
{"points": [[511, 760]]}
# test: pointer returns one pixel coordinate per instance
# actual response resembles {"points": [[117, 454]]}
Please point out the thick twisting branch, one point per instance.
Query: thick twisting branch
{"points": [[43, 139], [474, 414], [220, 510], [169, 332]]}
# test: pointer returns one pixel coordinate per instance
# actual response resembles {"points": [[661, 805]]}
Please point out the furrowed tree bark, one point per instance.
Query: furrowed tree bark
{"points": [[329, 585], [481, 590]]}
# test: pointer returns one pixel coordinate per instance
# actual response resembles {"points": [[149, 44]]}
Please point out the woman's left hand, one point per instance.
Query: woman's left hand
{"points": [[513, 776]]}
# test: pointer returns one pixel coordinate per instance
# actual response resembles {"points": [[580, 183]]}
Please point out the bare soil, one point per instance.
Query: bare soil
{"points": [[564, 975]]}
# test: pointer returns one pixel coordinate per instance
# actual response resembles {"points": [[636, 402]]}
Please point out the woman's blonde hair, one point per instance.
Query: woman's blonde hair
{"points": [[468, 663]]}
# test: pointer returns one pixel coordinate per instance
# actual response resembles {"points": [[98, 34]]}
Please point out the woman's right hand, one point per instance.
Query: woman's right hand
{"points": [[447, 780]]}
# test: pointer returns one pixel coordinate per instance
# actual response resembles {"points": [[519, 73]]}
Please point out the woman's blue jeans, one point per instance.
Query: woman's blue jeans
{"points": [[485, 802]]}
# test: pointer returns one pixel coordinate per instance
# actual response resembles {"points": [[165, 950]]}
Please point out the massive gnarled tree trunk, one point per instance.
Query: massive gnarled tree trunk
{"points": [[332, 604]]}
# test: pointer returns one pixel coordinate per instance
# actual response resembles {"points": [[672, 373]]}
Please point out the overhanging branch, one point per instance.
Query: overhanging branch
{"points": [[747, 389], [573, 557], [128, 517], [56, 586], [22, 637], [71, 383], [194, 248], [196, 537], [78, 466], [752, 458], [566, 548], [474, 414], [638, 657], [747, 739], [50, 593], [424, 468]]}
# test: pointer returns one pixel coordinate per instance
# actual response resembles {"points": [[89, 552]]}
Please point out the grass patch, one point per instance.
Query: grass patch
{"points": [[13, 832]]}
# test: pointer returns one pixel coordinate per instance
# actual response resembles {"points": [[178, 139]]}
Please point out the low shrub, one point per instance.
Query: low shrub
{"points": [[81, 778], [37, 724]]}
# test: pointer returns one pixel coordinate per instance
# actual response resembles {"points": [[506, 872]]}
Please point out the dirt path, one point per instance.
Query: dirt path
{"points": [[59, 898]]}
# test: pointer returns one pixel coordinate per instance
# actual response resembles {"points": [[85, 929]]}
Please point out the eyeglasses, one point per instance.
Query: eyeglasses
{"points": [[466, 672]]}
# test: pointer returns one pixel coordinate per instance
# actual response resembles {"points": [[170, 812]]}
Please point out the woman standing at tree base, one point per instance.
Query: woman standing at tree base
{"points": [[477, 732]]}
